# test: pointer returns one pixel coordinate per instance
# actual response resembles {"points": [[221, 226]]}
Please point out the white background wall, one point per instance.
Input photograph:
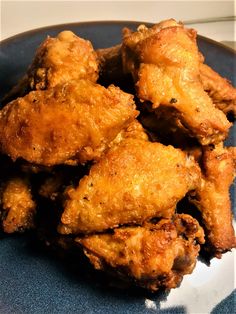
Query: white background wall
{"points": [[19, 16]]}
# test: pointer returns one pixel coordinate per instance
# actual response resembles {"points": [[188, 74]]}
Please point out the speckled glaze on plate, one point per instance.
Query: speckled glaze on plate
{"points": [[34, 282]]}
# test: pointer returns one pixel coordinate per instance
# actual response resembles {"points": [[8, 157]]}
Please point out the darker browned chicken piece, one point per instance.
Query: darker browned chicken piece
{"points": [[165, 64], [58, 60], [17, 208], [152, 256], [222, 93], [213, 200], [110, 64], [71, 123], [134, 182]]}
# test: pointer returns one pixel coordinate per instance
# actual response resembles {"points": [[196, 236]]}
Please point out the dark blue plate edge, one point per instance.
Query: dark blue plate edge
{"points": [[104, 22]]}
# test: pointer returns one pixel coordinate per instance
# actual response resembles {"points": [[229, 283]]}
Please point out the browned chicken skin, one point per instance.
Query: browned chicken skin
{"points": [[153, 256], [165, 64], [134, 182], [72, 122], [213, 199], [62, 59], [16, 205], [222, 93]]}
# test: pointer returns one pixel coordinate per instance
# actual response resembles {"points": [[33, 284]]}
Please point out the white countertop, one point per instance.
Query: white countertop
{"points": [[19, 16]]}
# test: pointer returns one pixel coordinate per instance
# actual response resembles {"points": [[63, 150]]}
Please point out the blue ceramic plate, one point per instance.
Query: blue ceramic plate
{"points": [[34, 282]]}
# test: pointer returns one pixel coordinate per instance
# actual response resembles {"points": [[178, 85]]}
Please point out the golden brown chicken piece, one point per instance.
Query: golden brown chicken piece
{"points": [[213, 200], [62, 59], [17, 206], [70, 123], [58, 60], [57, 180], [223, 94], [152, 256], [165, 64], [134, 182]]}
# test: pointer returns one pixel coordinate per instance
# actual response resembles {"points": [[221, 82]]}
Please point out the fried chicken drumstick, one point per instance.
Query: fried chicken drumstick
{"points": [[213, 199]]}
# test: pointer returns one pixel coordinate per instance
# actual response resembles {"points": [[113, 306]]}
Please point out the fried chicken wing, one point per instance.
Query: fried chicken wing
{"points": [[58, 60], [165, 64], [72, 122], [17, 208], [221, 91], [134, 182], [213, 200], [152, 256]]}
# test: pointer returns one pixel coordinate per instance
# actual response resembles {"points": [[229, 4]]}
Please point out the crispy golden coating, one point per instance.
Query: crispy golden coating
{"points": [[219, 89], [134, 182], [213, 200], [55, 181], [75, 121], [17, 206], [153, 256], [164, 61], [58, 60], [62, 59], [134, 130]]}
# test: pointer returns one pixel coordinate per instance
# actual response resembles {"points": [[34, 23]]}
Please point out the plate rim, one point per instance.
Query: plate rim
{"points": [[104, 22]]}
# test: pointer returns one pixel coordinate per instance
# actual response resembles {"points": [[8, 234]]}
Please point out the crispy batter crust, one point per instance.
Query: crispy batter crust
{"points": [[153, 256], [213, 199], [75, 121], [17, 206], [164, 61], [134, 182], [221, 91]]}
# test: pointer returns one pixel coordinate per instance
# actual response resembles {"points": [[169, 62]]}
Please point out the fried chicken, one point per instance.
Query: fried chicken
{"points": [[153, 256], [221, 91], [73, 122], [58, 60], [213, 199], [17, 206], [165, 64], [134, 182]]}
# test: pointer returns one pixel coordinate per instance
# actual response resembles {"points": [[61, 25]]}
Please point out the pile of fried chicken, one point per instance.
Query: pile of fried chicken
{"points": [[118, 153]]}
